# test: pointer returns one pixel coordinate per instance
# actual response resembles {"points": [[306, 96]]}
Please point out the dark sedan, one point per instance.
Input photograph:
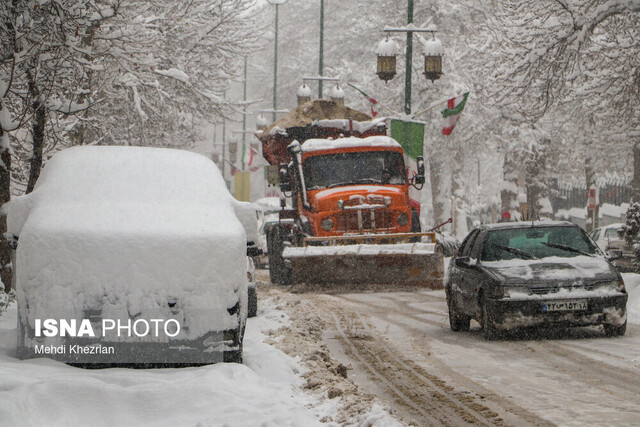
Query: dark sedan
{"points": [[533, 274]]}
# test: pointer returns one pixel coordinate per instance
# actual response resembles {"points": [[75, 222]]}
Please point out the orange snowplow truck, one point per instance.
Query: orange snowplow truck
{"points": [[351, 219]]}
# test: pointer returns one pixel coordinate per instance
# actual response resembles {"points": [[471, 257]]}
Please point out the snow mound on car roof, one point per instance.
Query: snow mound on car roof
{"points": [[128, 229]]}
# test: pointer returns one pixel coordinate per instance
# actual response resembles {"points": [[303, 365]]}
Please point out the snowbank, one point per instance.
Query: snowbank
{"points": [[265, 391], [632, 283]]}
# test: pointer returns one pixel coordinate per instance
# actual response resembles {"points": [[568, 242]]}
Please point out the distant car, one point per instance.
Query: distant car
{"points": [[246, 213], [609, 240], [262, 260], [131, 235], [544, 274]]}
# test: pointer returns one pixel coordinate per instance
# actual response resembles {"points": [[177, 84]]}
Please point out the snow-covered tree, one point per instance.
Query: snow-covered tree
{"points": [[41, 76], [112, 71], [631, 229], [164, 67], [576, 62]]}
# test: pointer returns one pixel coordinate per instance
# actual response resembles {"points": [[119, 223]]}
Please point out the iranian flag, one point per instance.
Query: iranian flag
{"points": [[372, 100], [250, 159], [452, 113], [247, 155]]}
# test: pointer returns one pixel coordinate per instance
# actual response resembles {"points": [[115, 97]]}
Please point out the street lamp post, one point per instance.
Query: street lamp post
{"points": [[277, 4], [387, 51], [321, 52]]}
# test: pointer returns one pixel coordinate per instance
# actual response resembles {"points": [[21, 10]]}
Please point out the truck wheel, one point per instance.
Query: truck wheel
{"points": [[278, 271], [271, 252], [415, 226]]}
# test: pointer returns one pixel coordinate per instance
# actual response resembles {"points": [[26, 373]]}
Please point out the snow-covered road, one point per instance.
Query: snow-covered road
{"points": [[399, 347]]}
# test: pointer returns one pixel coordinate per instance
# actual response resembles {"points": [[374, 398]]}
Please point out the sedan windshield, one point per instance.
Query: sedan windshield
{"points": [[536, 242], [364, 167]]}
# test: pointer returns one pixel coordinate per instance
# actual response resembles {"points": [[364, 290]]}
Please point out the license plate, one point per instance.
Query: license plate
{"points": [[565, 305]]}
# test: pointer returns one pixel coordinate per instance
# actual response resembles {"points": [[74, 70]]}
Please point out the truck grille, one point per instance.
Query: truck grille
{"points": [[348, 221]]}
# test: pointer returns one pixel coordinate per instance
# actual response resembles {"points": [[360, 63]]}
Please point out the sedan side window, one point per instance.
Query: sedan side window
{"points": [[595, 234], [465, 249], [476, 246]]}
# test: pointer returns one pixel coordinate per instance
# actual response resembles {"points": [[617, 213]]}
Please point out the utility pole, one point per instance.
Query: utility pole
{"points": [[409, 61], [277, 4], [321, 53], [244, 109], [275, 66]]}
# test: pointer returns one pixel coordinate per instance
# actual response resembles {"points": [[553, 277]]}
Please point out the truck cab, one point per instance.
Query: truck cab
{"points": [[350, 186]]}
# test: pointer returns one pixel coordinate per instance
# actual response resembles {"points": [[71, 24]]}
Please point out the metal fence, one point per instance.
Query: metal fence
{"points": [[612, 190]]}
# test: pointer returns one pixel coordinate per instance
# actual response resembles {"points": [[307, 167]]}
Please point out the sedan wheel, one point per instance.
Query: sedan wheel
{"points": [[489, 330], [613, 331], [457, 321]]}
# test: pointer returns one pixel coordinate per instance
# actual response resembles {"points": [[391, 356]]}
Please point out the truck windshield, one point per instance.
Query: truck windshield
{"points": [[364, 167]]}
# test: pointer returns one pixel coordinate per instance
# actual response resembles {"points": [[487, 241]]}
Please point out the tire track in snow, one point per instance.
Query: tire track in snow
{"points": [[384, 380], [464, 407], [596, 373], [563, 359], [511, 411]]}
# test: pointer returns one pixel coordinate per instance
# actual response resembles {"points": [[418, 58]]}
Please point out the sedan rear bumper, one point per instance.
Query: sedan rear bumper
{"points": [[507, 314]]}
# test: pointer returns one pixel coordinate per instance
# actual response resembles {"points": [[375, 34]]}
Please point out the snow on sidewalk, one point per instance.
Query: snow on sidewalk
{"points": [[632, 283], [266, 390]]}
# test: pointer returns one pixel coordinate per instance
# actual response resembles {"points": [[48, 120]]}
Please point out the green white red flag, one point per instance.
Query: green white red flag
{"points": [[452, 113], [372, 100], [247, 155]]}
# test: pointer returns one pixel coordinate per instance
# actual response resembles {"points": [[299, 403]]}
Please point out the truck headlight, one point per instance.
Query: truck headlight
{"points": [[403, 219], [327, 224]]}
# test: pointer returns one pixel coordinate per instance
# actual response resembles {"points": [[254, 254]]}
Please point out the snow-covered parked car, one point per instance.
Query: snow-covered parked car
{"points": [[609, 240], [132, 256], [517, 275]]}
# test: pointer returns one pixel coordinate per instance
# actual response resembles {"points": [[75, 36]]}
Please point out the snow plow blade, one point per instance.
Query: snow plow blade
{"points": [[419, 265]]}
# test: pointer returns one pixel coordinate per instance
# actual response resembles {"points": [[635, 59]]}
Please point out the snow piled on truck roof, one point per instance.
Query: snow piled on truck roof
{"points": [[126, 229], [349, 142]]}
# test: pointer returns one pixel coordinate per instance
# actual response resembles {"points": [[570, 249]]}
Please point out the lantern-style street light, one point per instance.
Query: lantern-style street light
{"points": [[387, 50], [261, 122], [433, 52], [303, 94], [337, 94]]}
